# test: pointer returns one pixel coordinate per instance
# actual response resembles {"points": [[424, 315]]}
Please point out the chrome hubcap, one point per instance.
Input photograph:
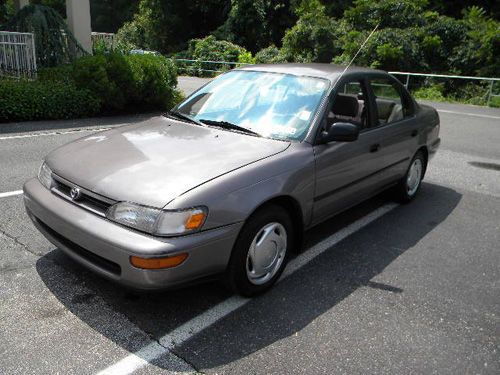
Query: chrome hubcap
{"points": [[266, 253], [414, 177]]}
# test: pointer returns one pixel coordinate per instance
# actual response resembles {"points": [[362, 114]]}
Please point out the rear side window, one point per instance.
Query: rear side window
{"points": [[391, 105]]}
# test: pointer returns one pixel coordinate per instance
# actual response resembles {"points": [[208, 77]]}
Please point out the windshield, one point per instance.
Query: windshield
{"points": [[269, 104]]}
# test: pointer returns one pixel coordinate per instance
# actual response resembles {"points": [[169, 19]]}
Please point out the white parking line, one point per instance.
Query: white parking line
{"points": [[41, 134], [10, 193], [194, 326], [469, 114]]}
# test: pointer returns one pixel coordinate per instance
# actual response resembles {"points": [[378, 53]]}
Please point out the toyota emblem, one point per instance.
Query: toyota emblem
{"points": [[75, 193]]}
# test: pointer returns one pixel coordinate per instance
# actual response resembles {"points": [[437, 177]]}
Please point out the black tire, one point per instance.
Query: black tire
{"points": [[403, 192], [236, 274]]}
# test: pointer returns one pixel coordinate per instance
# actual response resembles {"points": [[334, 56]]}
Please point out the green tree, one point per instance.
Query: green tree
{"points": [[166, 26], [6, 10], [454, 8], [255, 24], [313, 37], [269, 55], [365, 14], [481, 51], [58, 5], [109, 15], [54, 42]]}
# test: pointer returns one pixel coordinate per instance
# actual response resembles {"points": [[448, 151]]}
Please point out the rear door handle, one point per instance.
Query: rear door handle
{"points": [[375, 147], [414, 133]]}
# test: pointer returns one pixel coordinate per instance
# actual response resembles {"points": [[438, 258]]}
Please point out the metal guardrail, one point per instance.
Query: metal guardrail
{"points": [[196, 68], [488, 79], [17, 55], [193, 69]]}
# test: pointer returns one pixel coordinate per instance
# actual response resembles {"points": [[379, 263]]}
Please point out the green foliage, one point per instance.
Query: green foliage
{"points": [[102, 84], [365, 14], [481, 49], [209, 49], [61, 73], [54, 42], [257, 23], [269, 55], [125, 83], [434, 93], [58, 5], [246, 58], [166, 26], [246, 24], [44, 100], [475, 93], [6, 11], [495, 102], [313, 37], [109, 15]]}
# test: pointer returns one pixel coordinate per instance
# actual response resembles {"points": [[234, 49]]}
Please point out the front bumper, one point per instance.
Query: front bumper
{"points": [[105, 247]]}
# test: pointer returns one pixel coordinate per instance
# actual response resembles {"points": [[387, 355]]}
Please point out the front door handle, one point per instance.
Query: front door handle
{"points": [[375, 147]]}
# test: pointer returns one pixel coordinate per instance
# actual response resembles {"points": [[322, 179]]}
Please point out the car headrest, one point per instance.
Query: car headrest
{"points": [[345, 105]]}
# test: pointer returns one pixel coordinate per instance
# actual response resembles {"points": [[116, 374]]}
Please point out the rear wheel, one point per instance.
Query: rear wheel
{"points": [[260, 252], [409, 185]]}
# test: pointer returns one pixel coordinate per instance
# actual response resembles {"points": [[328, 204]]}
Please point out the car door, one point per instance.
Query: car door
{"points": [[394, 128], [344, 171]]}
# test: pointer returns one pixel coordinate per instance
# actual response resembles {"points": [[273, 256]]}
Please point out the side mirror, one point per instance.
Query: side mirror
{"points": [[340, 132]]}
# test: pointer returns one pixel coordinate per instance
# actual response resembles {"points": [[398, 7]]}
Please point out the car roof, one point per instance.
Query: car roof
{"points": [[328, 71]]}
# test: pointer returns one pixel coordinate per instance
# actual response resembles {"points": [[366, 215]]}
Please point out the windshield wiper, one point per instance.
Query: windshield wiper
{"points": [[184, 117], [229, 126]]}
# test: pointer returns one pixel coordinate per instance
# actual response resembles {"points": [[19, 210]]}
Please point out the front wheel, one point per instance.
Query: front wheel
{"points": [[409, 185], [261, 252]]}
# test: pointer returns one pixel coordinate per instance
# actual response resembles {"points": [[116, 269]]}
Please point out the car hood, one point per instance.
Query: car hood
{"points": [[155, 161]]}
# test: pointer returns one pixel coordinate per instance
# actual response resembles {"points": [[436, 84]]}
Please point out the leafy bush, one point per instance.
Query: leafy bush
{"points": [[246, 58], [101, 84], [269, 55], [61, 73], [155, 79], [209, 49], [125, 83], [434, 93], [44, 100]]}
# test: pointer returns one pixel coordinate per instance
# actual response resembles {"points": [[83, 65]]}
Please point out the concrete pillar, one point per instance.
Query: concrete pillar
{"points": [[78, 12], [18, 4]]}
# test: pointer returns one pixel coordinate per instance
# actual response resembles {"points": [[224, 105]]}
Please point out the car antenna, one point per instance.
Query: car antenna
{"points": [[359, 50]]}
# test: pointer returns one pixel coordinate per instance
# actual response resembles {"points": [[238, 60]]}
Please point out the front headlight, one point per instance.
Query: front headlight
{"points": [[156, 221], [45, 175]]}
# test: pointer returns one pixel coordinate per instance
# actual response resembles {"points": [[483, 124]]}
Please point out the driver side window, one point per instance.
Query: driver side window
{"points": [[348, 105]]}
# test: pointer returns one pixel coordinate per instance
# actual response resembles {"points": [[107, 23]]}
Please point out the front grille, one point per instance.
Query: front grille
{"points": [[91, 257], [88, 200]]}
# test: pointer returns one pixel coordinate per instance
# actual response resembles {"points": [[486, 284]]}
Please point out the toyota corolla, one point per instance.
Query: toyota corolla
{"points": [[227, 182]]}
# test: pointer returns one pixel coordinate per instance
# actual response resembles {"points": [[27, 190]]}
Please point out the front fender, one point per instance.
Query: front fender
{"points": [[233, 197]]}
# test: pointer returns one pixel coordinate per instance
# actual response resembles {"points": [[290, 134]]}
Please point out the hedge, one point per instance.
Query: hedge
{"points": [[92, 85], [34, 100]]}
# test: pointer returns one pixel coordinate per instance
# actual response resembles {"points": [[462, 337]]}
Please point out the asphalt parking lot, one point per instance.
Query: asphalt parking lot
{"points": [[382, 288]]}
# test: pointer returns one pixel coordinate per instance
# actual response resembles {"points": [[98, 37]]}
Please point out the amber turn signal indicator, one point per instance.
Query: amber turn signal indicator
{"points": [[158, 263], [195, 221]]}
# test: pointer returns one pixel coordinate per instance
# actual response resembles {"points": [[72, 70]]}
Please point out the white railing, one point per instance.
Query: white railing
{"points": [[107, 38], [491, 80], [17, 55], [189, 66]]}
